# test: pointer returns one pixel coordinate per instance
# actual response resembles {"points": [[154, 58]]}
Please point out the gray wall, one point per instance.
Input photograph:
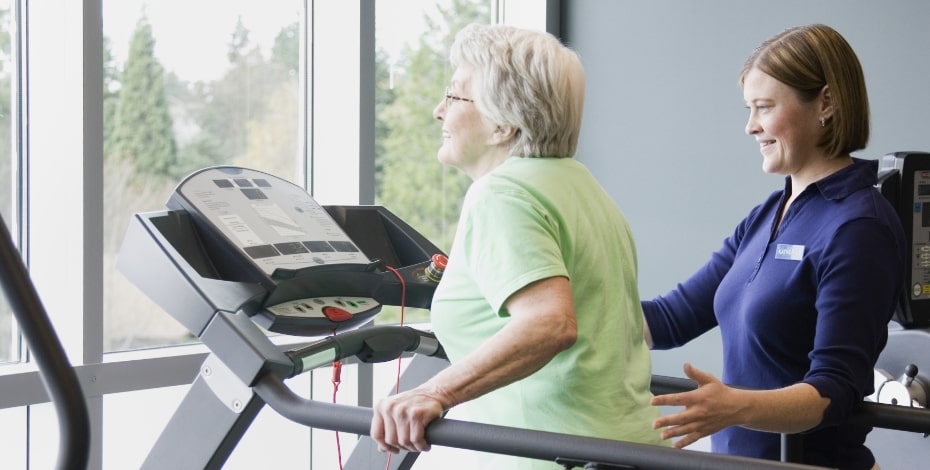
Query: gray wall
{"points": [[664, 119]]}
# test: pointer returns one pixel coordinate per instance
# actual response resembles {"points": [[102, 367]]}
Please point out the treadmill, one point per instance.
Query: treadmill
{"points": [[240, 255]]}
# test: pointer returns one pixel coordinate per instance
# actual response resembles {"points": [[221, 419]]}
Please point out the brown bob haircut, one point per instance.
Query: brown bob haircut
{"points": [[809, 58]]}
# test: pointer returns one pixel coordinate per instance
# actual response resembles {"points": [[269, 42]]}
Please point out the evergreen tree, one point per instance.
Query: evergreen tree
{"points": [[272, 138], [111, 84], [6, 204], [240, 97], [142, 129], [384, 97], [286, 48], [273, 133], [6, 123], [238, 43]]}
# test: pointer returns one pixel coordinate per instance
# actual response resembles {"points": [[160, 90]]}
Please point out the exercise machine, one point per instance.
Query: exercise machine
{"points": [[902, 373], [240, 255]]}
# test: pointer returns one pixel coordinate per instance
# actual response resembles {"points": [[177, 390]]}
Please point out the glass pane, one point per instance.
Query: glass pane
{"points": [[133, 421], [188, 84], [43, 436], [126, 442], [13, 423], [8, 337], [412, 40]]}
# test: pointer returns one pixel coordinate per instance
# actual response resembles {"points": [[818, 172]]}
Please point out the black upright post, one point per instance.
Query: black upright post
{"points": [[792, 448]]}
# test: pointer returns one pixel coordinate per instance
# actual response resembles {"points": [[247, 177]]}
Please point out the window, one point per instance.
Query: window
{"points": [[412, 43], [221, 85], [9, 350], [206, 82], [216, 85]]}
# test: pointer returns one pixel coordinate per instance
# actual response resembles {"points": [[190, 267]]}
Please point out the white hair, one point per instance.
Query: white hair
{"points": [[526, 80]]}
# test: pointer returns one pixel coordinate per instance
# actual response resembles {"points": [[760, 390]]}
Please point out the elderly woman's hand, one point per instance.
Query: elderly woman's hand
{"points": [[399, 422]]}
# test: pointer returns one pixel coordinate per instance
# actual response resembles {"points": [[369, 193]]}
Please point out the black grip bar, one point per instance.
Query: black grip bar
{"points": [[506, 440], [58, 376], [382, 343]]}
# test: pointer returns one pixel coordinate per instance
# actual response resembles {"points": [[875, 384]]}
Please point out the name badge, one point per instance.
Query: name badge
{"points": [[789, 252]]}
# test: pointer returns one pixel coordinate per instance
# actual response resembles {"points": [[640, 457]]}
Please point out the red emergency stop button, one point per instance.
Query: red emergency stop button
{"points": [[336, 314], [436, 267]]}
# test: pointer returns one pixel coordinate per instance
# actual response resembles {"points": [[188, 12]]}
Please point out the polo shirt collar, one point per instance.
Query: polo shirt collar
{"points": [[860, 174]]}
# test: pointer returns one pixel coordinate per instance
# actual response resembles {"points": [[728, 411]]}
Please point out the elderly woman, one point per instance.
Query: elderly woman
{"points": [[805, 286], [538, 309]]}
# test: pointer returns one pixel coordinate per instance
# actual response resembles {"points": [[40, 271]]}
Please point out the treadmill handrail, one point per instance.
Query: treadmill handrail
{"points": [[365, 344], [58, 376], [523, 442], [517, 442]]}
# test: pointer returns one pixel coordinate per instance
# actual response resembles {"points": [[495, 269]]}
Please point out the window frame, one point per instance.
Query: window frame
{"points": [[70, 279]]}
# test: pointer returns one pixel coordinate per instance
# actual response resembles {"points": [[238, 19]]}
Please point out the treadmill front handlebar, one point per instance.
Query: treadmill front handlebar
{"points": [[506, 440]]}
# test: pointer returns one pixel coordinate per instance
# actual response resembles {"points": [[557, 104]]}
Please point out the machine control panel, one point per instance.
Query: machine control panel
{"points": [[274, 223], [904, 178], [236, 240], [292, 315], [920, 230]]}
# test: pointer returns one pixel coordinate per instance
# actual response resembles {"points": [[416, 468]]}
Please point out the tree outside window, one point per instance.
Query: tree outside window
{"points": [[160, 126]]}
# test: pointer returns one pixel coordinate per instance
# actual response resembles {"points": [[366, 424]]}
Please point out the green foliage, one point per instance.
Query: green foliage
{"points": [[384, 97], [202, 151], [165, 127], [232, 109], [111, 83], [272, 139], [237, 45], [286, 48], [204, 123], [5, 39], [412, 183], [6, 144], [142, 128], [6, 206]]}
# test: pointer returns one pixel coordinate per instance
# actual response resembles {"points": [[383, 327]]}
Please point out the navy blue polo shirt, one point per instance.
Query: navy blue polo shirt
{"points": [[807, 302]]}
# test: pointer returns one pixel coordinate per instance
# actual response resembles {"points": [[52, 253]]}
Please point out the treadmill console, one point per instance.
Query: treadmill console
{"points": [[272, 224], [240, 240]]}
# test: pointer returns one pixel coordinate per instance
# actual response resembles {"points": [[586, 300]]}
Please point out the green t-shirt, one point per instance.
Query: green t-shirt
{"points": [[528, 220]]}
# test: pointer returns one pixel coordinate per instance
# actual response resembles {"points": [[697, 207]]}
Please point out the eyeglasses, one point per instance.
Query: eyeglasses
{"points": [[449, 98]]}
